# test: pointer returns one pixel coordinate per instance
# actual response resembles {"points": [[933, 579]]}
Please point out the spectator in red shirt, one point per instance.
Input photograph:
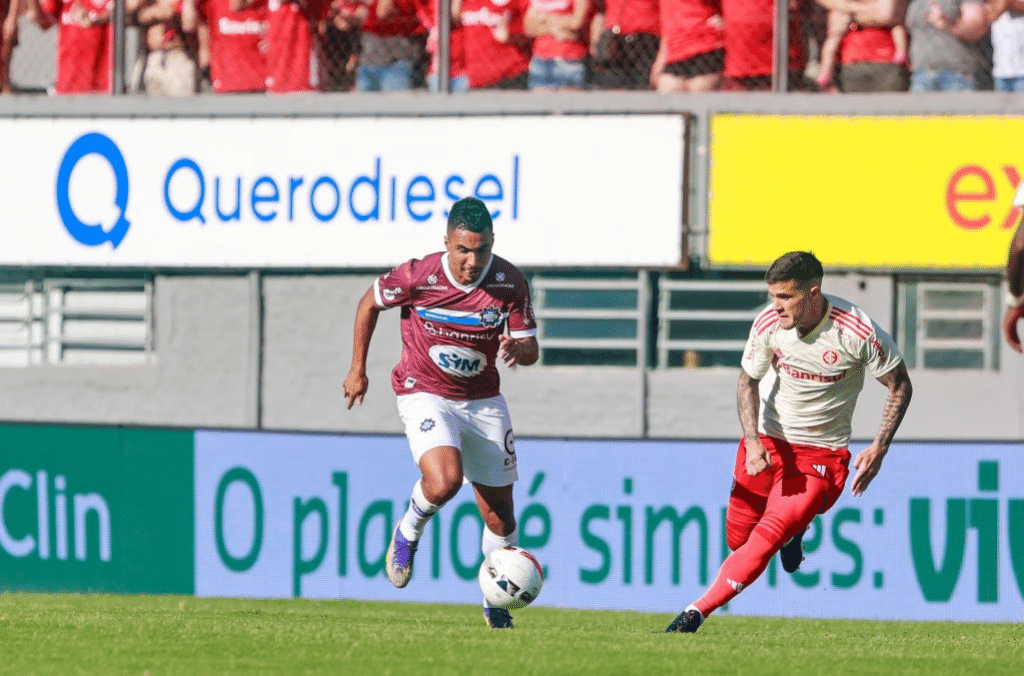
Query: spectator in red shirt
{"points": [[237, 43], [84, 41], [692, 52], [293, 54], [392, 47], [625, 43], [489, 49], [749, 49], [561, 29]]}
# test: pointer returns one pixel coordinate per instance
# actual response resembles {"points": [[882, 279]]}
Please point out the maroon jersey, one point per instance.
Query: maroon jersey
{"points": [[450, 331]]}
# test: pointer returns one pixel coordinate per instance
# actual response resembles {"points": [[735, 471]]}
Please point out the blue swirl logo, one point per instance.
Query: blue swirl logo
{"points": [[93, 234]]}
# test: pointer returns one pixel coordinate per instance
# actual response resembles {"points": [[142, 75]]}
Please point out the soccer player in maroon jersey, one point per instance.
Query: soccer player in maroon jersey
{"points": [[802, 371], [456, 307], [1015, 278]]}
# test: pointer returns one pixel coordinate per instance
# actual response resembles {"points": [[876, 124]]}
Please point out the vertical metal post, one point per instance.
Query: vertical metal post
{"points": [[119, 28], [780, 44], [444, 46], [643, 302], [254, 376]]}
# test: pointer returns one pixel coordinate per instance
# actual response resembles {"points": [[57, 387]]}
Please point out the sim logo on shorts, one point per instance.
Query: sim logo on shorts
{"points": [[427, 425]]}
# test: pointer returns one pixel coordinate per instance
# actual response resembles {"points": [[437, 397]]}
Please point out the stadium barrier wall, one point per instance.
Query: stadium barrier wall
{"points": [[271, 353], [618, 524]]}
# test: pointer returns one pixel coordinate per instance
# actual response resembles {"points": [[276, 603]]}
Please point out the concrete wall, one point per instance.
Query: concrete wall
{"points": [[234, 351]]}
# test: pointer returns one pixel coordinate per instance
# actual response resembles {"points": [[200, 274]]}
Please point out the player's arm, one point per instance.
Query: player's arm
{"points": [[1015, 280], [869, 461], [748, 403], [356, 382]]}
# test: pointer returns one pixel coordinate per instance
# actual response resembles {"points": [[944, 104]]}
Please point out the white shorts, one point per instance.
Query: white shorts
{"points": [[481, 429]]}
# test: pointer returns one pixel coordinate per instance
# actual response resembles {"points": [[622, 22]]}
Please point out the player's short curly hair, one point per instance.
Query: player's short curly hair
{"points": [[801, 266], [470, 214]]}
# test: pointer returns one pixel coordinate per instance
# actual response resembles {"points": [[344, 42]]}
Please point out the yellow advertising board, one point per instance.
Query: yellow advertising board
{"points": [[864, 192]]}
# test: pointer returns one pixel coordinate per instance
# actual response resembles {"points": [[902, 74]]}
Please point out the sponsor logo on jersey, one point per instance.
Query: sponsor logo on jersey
{"points": [[462, 362], [500, 276], [442, 332], [391, 294], [432, 279], [460, 317], [797, 374]]}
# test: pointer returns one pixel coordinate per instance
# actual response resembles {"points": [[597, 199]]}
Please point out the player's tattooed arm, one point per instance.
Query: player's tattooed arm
{"points": [[869, 461], [900, 390], [747, 405]]}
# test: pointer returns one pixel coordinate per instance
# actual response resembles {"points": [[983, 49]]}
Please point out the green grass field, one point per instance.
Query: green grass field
{"points": [[98, 634]]}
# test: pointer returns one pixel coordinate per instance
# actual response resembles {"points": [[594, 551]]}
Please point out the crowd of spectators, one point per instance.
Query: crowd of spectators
{"points": [[280, 46]]}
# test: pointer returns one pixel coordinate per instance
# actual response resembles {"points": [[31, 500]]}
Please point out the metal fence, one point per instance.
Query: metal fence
{"points": [[187, 47]]}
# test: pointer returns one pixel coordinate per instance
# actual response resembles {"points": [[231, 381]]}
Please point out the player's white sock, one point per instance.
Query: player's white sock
{"points": [[419, 513], [693, 607], [491, 542]]}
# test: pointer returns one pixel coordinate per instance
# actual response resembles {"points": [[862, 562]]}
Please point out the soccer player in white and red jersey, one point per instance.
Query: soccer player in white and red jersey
{"points": [[802, 370], [462, 310]]}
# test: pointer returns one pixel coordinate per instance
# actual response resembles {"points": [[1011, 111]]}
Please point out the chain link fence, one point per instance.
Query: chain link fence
{"points": [[187, 47]]}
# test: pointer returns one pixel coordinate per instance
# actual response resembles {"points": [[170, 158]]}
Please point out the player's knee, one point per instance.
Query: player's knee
{"points": [[441, 486]]}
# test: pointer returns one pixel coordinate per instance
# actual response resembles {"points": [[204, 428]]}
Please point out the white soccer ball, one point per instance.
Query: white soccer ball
{"points": [[510, 578]]}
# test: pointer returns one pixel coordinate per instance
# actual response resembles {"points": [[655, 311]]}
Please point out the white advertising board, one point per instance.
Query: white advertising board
{"points": [[330, 193], [617, 524]]}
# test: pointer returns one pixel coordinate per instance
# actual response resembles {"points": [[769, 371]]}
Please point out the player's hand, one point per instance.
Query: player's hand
{"points": [[509, 349], [758, 459], [356, 384], [868, 463], [1010, 319]]}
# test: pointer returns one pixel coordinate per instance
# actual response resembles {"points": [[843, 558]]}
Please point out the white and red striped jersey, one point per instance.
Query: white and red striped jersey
{"points": [[809, 385], [449, 330]]}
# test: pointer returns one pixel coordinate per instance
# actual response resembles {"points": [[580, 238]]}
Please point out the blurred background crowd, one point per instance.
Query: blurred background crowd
{"points": [[187, 47]]}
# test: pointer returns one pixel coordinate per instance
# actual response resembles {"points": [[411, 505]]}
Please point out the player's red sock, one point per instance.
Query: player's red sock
{"points": [[740, 569]]}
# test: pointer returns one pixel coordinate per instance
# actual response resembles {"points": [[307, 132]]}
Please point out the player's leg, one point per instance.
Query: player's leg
{"points": [[748, 499], [489, 457], [792, 504], [433, 433]]}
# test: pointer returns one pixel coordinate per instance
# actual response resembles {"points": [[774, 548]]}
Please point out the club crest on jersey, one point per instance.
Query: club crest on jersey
{"points": [[490, 316], [830, 357]]}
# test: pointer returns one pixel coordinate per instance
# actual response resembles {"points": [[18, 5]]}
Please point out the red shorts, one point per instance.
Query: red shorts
{"points": [[790, 463]]}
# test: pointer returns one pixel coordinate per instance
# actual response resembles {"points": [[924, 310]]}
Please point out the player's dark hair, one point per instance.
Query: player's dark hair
{"points": [[800, 266], [470, 213]]}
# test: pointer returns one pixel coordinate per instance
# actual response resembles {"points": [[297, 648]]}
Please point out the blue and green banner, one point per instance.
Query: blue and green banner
{"points": [[635, 525]]}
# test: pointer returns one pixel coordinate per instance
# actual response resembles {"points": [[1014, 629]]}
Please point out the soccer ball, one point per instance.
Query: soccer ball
{"points": [[510, 578]]}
